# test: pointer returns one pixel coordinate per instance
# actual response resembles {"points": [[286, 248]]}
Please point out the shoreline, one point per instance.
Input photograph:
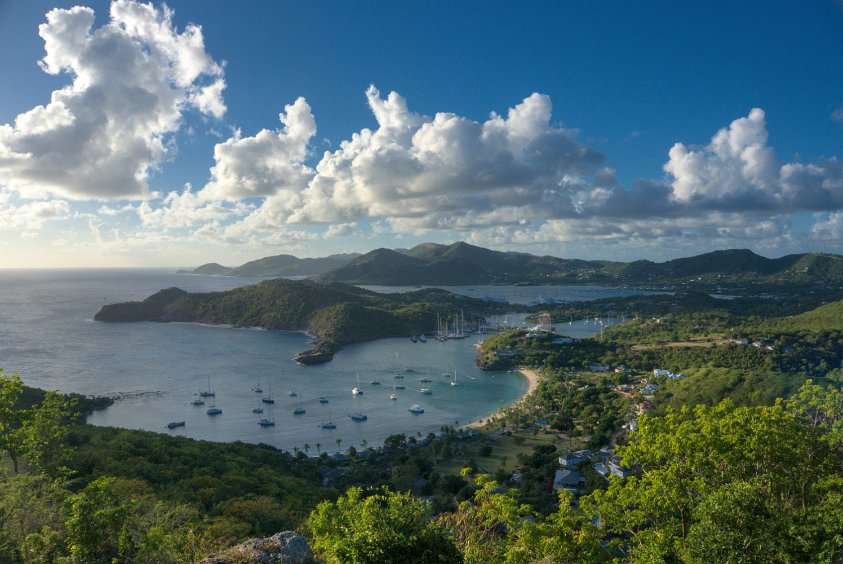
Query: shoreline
{"points": [[532, 383]]}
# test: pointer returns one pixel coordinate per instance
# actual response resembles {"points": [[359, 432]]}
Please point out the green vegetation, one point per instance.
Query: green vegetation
{"points": [[95, 494], [336, 313], [461, 263], [731, 451], [380, 527]]}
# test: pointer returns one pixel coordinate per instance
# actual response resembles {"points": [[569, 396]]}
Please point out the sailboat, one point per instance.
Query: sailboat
{"points": [[214, 410], [393, 395], [328, 424], [299, 410], [357, 391], [416, 408], [268, 397], [358, 415], [454, 380], [209, 393], [267, 421]]}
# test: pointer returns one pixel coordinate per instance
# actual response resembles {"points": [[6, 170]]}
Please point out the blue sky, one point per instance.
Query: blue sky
{"points": [[621, 130]]}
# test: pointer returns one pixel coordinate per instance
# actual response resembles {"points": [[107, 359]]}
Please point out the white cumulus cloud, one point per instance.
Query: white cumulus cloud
{"points": [[427, 172], [132, 78], [267, 164]]}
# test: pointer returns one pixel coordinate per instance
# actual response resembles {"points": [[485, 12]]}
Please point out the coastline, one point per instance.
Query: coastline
{"points": [[532, 383]]}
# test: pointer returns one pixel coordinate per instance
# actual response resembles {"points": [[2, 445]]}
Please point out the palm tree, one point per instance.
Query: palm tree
{"points": [[339, 442], [364, 443], [306, 448], [319, 448], [296, 450]]}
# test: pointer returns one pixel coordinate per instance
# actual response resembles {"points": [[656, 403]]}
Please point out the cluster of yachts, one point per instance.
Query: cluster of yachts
{"points": [[356, 391]]}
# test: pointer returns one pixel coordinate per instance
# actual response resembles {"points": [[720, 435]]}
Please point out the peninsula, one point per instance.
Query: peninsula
{"points": [[335, 313]]}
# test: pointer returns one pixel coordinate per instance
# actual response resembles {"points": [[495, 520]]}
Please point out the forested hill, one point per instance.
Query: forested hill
{"points": [[461, 263], [826, 318], [278, 265], [336, 313]]}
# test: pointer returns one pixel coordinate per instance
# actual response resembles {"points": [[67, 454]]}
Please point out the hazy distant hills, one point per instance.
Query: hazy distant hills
{"points": [[461, 263], [279, 265]]}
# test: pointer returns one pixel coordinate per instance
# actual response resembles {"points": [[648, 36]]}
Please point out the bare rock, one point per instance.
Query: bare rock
{"points": [[286, 547]]}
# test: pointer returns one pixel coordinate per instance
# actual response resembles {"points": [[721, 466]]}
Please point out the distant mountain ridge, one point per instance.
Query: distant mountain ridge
{"points": [[278, 265], [461, 263]]}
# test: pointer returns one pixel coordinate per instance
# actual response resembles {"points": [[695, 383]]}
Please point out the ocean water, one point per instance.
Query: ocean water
{"points": [[156, 370]]}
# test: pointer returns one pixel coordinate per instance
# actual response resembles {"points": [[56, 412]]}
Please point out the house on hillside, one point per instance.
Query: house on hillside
{"points": [[616, 469], [574, 459], [570, 480]]}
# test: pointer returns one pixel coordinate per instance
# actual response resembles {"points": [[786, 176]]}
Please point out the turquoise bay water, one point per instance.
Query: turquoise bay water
{"points": [[156, 370]]}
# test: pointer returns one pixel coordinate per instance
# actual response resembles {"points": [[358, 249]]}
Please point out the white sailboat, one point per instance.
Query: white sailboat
{"points": [[454, 379], [393, 395], [356, 391]]}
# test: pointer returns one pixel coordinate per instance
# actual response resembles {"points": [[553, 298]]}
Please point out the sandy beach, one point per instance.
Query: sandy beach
{"points": [[532, 383]]}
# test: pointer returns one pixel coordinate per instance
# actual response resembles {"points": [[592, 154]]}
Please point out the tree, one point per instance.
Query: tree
{"points": [[96, 522], [11, 418], [44, 433], [761, 472], [378, 527]]}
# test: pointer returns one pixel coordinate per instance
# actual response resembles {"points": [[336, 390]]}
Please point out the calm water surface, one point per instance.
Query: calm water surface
{"points": [[156, 370]]}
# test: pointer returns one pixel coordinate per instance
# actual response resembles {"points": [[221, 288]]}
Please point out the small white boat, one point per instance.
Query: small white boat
{"points": [[198, 401], [425, 391], [415, 408], [292, 394], [323, 400], [257, 410], [299, 411], [267, 423], [393, 396]]}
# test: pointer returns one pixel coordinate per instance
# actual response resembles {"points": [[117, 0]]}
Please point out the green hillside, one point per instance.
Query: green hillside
{"points": [[278, 265], [461, 263], [337, 314]]}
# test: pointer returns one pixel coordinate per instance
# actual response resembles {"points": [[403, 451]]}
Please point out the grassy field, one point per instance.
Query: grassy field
{"points": [[506, 448]]}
